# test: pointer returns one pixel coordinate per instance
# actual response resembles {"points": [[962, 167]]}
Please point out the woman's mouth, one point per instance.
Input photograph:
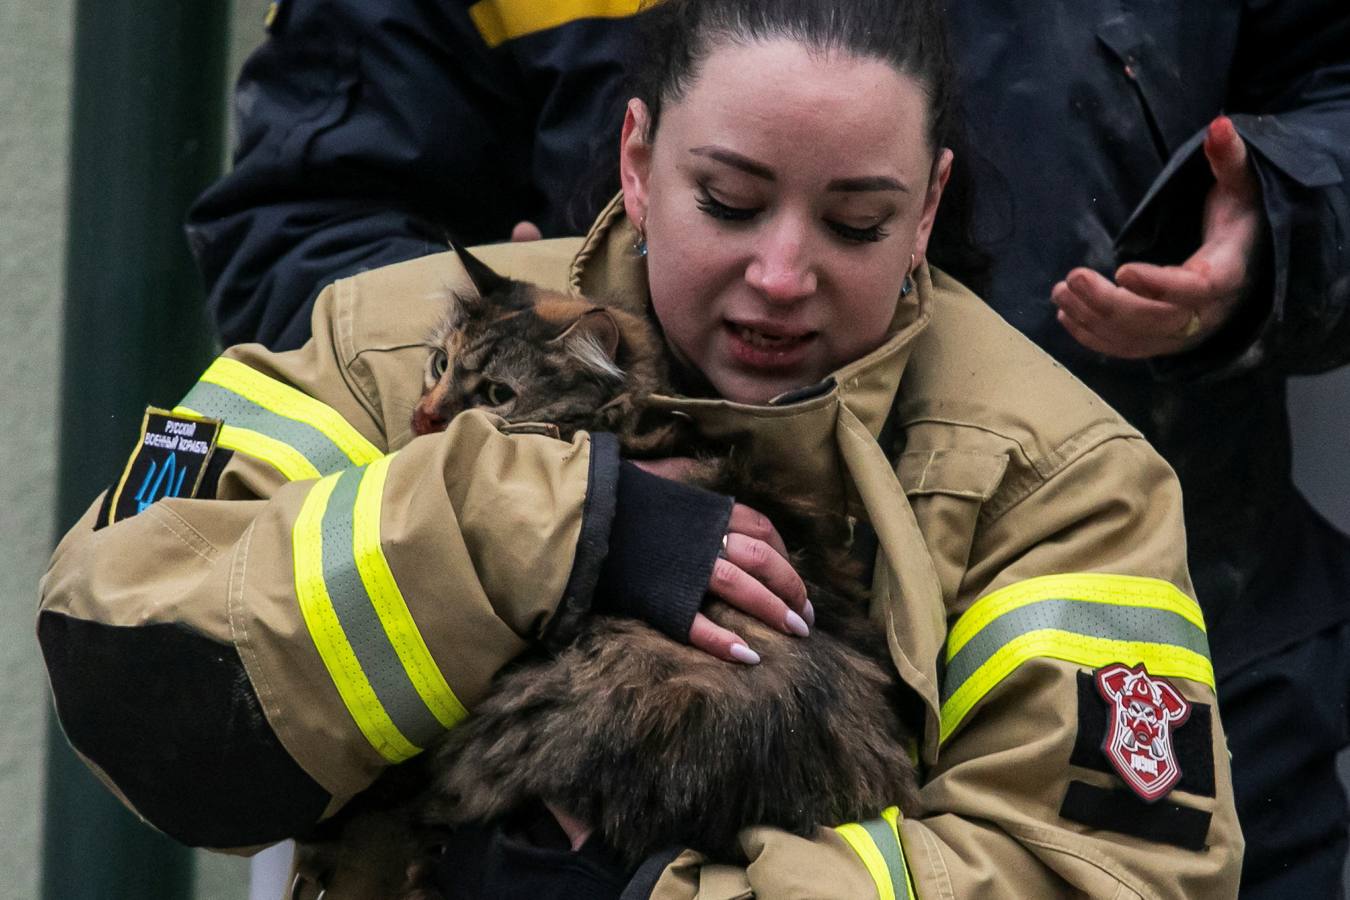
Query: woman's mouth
{"points": [[762, 348]]}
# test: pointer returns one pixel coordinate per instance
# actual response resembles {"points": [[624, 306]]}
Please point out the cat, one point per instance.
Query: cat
{"points": [[654, 743]]}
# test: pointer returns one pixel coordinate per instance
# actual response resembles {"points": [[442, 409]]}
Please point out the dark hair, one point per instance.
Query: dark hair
{"points": [[911, 35], [676, 36]]}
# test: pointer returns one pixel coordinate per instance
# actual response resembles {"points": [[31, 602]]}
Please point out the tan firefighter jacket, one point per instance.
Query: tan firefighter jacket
{"points": [[239, 664]]}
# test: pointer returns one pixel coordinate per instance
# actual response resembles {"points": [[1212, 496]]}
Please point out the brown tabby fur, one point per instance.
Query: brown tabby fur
{"points": [[655, 743]]}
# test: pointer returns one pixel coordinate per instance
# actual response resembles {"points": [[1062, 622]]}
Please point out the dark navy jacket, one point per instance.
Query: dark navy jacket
{"points": [[370, 129]]}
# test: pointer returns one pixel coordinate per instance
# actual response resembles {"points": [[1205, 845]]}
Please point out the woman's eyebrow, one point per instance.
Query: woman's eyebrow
{"points": [[736, 161], [759, 170], [866, 183]]}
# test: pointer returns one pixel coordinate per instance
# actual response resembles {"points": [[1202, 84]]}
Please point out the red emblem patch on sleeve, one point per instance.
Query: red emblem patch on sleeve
{"points": [[1142, 711]]}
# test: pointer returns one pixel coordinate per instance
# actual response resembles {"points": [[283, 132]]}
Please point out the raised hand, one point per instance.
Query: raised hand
{"points": [[1153, 310]]}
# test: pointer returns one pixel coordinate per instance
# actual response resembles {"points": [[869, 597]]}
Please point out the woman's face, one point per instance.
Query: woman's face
{"points": [[782, 198]]}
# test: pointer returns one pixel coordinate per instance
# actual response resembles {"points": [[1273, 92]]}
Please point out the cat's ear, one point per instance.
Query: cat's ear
{"points": [[596, 326], [484, 279], [593, 339], [463, 309]]}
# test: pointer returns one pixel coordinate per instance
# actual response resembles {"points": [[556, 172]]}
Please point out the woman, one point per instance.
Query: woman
{"points": [[263, 645]]}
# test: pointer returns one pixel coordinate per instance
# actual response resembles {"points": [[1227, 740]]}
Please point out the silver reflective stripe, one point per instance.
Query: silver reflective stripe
{"points": [[1135, 624], [364, 632], [217, 402], [884, 837]]}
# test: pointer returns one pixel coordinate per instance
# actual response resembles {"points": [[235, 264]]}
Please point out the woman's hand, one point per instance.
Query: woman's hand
{"points": [[752, 573]]}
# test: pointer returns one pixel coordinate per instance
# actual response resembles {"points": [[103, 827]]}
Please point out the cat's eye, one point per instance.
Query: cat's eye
{"points": [[439, 362], [499, 394]]}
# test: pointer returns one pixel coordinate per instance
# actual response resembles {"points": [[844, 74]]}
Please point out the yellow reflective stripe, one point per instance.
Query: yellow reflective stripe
{"points": [[326, 631], [892, 817], [290, 403], [857, 837], [1161, 659], [389, 604], [877, 843], [499, 21], [1085, 587], [282, 456]]}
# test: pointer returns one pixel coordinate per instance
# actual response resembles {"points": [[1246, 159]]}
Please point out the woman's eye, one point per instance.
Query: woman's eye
{"points": [[869, 235], [499, 394], [439, 362], [719, 210]]}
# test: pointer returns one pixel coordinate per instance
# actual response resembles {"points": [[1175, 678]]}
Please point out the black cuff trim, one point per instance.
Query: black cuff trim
{"points": [[597, 519], [1123, 812], [1193, 742], [171, 717], [662, 548]]}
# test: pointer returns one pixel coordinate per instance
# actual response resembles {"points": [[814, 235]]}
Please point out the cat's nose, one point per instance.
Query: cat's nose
{"points": [[425, 421]]}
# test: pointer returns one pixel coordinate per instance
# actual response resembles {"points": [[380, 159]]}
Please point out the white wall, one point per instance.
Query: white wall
{"points": [[35, 45]]}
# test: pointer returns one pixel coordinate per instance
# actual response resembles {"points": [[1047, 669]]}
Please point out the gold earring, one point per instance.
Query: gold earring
{"points": [[907, 287]]}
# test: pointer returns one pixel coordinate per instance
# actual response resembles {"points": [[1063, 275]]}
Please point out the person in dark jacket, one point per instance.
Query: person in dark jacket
{"points": [[1162, 191]]}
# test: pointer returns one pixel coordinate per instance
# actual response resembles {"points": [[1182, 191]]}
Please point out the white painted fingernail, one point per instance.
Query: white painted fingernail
{"points": [[743, 654], [809, 614], [797, 625]]}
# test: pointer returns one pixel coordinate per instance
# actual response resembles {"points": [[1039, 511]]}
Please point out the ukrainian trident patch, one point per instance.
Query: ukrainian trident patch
{"points": [[169, 461], [1142, 713]]}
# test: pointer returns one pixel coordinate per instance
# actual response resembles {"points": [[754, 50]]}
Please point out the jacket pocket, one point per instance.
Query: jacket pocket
{"points": [[948, 489], [957, 473], [1155, 84]]}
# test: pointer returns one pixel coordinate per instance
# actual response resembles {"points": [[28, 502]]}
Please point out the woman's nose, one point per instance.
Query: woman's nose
{"points": [[781, 269]]}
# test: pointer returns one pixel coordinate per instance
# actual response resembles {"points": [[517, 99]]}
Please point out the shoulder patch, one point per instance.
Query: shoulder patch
{"points": [[170, 459], [1142, 713], [1192, 741]]}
